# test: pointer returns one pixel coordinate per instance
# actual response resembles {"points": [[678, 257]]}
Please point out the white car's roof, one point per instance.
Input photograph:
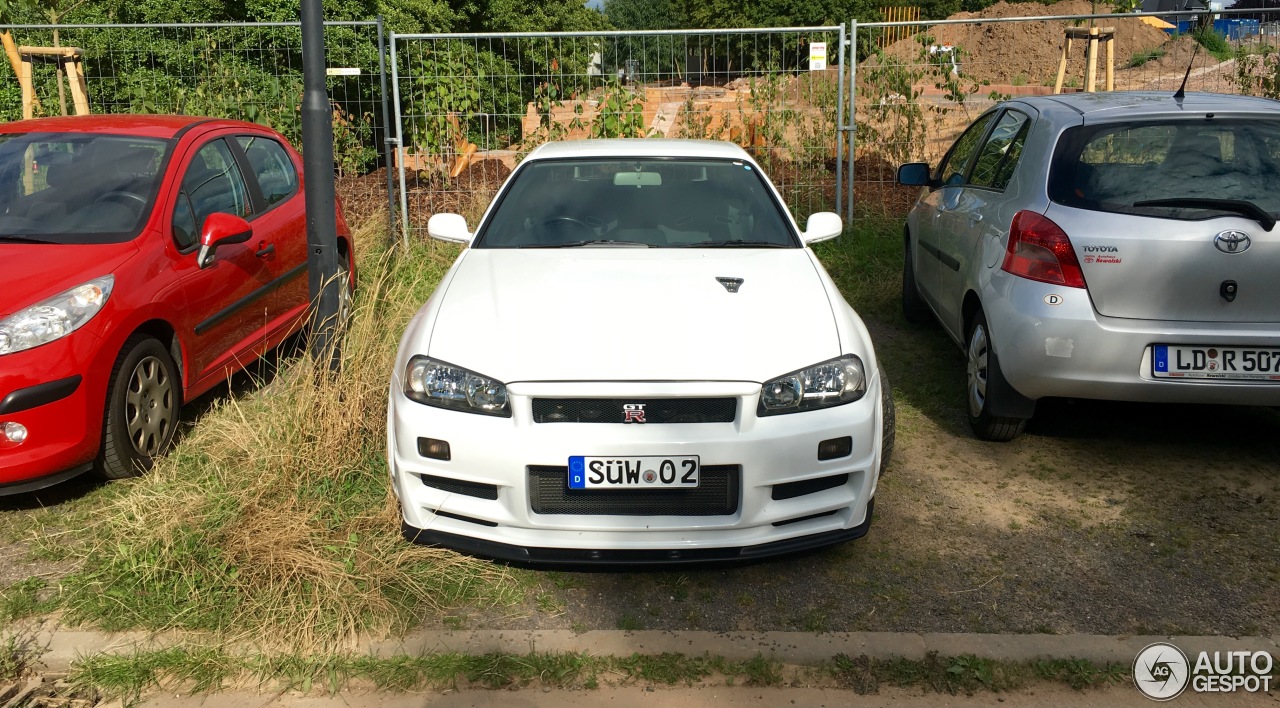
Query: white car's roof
{"points": [[639, 147]]}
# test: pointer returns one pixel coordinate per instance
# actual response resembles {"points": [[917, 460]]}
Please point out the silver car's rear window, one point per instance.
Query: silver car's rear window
{"points": [[654, 202], [1121, 167]]}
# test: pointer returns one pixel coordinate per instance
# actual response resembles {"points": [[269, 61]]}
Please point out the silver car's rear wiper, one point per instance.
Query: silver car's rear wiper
{"points": [[591, 242], [1239, 206], [734, 244]]}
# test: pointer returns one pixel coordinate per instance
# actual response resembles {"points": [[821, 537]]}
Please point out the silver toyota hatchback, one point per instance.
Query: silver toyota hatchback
{"points": [[1116, 246]]}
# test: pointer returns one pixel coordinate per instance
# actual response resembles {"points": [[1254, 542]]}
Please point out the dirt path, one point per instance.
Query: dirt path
{"points": [[708, 696]]}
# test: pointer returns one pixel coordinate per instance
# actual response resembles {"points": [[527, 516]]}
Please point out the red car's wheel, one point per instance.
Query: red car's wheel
{"points": [[143, 403]]}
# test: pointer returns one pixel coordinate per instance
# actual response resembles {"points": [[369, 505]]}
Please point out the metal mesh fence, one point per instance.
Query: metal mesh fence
{"points": [[913, 97], [470, 106], [247, 71]]}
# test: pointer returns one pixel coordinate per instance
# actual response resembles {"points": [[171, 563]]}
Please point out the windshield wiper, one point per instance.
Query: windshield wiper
{"points": [[734, 244], [1239, 206], [22, 239], [591, 242]]}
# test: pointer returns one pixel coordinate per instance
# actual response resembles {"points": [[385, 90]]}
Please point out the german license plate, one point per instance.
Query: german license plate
{"points": [[638, 472], [1228, 363]]}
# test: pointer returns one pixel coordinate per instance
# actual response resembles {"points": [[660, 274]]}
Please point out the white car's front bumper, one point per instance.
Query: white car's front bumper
{"points": [[503, 492]]}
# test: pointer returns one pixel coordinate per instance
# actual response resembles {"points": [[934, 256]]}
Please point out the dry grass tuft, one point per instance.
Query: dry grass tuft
{"points": [[272, 521]]}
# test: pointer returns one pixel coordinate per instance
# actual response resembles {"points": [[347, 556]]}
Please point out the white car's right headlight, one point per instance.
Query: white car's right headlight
{"points": [[55, 317], [831, 383], [436, 383]]}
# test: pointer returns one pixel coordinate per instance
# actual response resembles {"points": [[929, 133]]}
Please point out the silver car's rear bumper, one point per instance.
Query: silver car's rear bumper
{"points": [[1068, 350]]}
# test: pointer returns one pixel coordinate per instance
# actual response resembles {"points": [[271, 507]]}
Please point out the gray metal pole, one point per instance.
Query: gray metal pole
{"points": [[853, 117], [388, 142], [839, 123], [400, 153], [317, 168]]}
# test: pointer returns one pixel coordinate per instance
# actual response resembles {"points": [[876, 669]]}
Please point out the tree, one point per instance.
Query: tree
{"points": [[644, 14]]}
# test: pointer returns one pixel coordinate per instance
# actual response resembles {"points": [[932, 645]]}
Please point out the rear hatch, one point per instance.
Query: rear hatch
{"points": [[1174, 218]]}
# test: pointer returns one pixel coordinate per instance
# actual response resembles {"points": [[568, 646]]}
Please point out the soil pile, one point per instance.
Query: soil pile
{"points": [[1028, 52]]}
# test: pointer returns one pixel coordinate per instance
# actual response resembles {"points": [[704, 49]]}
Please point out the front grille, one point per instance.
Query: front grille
{"points": [[457, 486], [653, 410], [791, 490], [716, 495]]}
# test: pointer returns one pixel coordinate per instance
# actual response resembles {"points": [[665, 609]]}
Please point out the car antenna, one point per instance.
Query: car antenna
{"points": [[1182, 90]]}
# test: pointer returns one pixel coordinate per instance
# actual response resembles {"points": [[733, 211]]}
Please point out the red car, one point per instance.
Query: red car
{"points": [[143, 260]]}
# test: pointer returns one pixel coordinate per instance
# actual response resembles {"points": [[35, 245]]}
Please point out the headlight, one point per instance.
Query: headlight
{"points": [[831, 383], [54, 318], [436, 383]]}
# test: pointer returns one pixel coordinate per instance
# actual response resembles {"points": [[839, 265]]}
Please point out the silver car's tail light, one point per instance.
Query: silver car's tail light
{"points": [[1040, 250]]}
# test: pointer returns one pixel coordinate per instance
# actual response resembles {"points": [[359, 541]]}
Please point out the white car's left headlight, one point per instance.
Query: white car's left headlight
{"points": [[55, 317], [436, 383], [831, 383]]}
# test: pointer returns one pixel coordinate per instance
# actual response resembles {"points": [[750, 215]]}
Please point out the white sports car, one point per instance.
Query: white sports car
{"points": [[637, 360]]}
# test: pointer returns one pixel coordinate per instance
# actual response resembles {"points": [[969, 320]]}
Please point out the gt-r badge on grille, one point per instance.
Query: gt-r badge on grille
{"points": [[633, 413], [731, 284]]}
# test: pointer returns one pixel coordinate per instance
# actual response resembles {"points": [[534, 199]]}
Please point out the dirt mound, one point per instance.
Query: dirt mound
{"points": [[1028, 52]]}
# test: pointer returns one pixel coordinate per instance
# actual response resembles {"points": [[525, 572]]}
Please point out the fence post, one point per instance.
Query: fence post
{"points": [[388, 143], [839, 116], [399, 144]]}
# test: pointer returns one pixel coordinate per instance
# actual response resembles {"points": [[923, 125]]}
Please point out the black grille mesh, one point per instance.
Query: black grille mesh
{"points": [[656, 410], [716, 495]]}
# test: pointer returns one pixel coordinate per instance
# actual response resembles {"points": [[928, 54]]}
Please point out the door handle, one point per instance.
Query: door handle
{"points": [[265, 250], [975, 217]]}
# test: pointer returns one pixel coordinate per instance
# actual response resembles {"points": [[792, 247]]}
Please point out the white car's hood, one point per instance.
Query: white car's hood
{"points": [[625, 314]]}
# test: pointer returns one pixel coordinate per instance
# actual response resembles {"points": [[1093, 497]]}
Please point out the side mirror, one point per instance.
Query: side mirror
{"points": [[915, 174], [448, 227], [221, 230], [822, 226]]}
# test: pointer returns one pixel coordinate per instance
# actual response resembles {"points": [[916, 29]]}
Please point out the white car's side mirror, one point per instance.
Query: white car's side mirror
{"points": [[449, 227], [822, 226]]}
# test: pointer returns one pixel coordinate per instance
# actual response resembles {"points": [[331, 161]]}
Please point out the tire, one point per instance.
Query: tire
{"points": [[888, 424], [914, 309], [977, 393], [144, 400]]}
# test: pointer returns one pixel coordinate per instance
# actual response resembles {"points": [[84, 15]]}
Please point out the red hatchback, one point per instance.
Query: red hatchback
{"points": [[143, 260]]}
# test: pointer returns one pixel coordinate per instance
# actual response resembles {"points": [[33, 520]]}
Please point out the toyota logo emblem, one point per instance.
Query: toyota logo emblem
{"points": [[1232, 241]]}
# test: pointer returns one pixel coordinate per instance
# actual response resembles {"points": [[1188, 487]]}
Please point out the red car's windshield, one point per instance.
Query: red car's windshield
{"points": [[77, 188]]}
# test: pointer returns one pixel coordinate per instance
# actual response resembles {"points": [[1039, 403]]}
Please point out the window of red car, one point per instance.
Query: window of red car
{"points": [[212, 184], [271, 165]]}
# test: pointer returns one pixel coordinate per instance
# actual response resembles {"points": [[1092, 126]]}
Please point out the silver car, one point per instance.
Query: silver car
{"points": [[1112, 246]]}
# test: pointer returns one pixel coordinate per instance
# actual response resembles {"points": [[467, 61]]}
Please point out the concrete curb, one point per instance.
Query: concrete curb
{"points": [[64, 647]]}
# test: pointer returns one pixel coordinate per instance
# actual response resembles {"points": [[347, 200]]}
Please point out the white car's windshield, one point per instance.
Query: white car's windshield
{"points": [[637, 202]]}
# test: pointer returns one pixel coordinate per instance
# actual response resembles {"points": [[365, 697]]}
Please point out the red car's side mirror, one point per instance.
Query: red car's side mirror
{"points": [[221, 230]]}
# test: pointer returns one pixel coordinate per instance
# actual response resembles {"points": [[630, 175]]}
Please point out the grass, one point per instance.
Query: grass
{"points": [[204, 669], [1140, 58], [969, 674], [273, 518], [1214, 43], [25, 598]]}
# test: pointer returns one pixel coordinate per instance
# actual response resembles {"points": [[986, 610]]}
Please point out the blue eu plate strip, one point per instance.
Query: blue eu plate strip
{"points": [[577, 473], [1162, 358]]}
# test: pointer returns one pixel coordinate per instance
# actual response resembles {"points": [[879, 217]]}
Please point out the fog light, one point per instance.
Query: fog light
{"points": [[15, 432], [835, 447], [434, 449]]}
